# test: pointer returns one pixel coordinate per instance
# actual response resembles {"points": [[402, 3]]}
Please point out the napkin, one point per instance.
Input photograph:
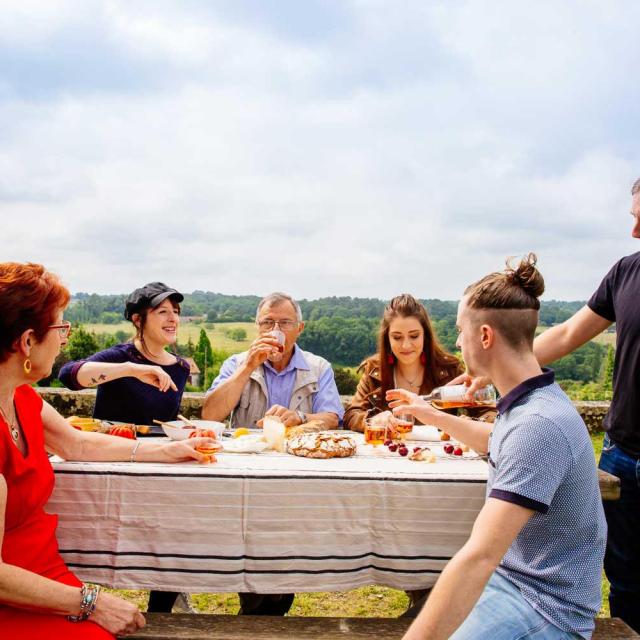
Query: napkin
{"points": [[425, 432], [245, 444]]}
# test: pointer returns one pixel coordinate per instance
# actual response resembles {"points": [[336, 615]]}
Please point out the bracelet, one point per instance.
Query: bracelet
{"points": [[89, 593], [133, 453]]}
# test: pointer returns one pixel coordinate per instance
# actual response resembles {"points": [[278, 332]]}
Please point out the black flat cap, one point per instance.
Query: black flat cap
{"points": [[150, 296]]}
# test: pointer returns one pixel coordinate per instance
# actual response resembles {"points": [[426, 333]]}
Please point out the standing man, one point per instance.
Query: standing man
{"points": [[616, 300], [279, 380], [531, 567]]}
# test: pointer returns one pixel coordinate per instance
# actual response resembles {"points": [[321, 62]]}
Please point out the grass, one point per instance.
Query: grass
{"points": [[372, 601], [216, 332]]}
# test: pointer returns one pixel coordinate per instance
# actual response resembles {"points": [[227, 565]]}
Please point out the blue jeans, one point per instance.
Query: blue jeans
{"points": [[622, 558], [502, 613]]}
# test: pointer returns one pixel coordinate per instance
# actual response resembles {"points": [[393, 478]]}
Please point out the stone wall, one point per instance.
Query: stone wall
{"points": [[80, 403]]}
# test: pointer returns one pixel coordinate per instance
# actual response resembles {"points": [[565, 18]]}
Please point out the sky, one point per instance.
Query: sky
{"points": [[336, 147]]}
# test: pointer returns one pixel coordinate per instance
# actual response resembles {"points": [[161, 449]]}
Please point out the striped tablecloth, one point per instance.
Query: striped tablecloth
{"points": [[268, 523]]}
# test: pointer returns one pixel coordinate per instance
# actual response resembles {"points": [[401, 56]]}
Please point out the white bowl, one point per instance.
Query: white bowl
{"points": [[177, 430]]}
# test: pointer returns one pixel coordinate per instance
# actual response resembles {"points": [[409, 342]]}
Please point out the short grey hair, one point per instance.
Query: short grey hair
{"points": [[276, 298], [636, 187]]}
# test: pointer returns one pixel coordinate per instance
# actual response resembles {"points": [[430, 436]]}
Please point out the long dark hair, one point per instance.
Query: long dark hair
{"points": [[439, 367]]}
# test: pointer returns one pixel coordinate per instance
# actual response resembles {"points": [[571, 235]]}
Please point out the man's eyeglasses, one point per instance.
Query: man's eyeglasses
{"points": [[64, 328], [285, 325]]}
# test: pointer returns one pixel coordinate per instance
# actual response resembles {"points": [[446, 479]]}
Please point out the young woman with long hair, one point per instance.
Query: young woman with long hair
{"points": [[409, 357]]}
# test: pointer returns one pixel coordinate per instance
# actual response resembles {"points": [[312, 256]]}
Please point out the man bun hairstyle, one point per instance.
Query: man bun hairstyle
{"points": [[509, 300]]}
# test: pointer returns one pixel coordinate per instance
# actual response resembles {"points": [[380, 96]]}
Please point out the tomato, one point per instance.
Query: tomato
{"points": [[123, 431], [203, 433]]}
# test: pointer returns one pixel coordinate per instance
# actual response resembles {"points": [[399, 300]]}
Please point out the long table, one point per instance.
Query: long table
{"points": [[267, 523]]}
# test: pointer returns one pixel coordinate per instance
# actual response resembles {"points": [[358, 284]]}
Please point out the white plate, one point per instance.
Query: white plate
{"points": [[245, 444], [178, 430]]}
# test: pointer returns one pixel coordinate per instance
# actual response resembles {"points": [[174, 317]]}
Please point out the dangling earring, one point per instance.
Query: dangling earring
{"points": [[391, 359], [423, 358], [26, 365]]}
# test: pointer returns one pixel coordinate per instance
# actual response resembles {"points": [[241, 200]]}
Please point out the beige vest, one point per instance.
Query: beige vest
{"points": [[253, 401]]}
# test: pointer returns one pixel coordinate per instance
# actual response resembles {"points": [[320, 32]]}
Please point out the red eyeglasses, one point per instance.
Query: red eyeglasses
{"points": [[64, 328]]}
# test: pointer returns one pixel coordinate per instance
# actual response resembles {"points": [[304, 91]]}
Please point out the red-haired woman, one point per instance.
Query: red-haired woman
{"points": [[39, 596], [409, 357]]}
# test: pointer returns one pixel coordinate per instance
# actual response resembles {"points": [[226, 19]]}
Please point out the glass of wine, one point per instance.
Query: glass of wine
{"points": [[403, 424], [278, 335], [375, 433]]}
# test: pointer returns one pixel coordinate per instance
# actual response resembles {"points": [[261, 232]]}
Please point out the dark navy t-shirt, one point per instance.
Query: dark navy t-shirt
{"points": [[129, 399], [617, 300]]}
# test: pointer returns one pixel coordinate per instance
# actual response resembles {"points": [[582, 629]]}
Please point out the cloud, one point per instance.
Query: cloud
{"points": [[335, 148]]}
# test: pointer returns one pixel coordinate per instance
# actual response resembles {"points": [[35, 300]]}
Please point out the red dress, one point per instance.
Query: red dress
{"points": [[30, 533]]}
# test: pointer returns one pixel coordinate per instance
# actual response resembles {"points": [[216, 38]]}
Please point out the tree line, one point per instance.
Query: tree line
{"points": [[586, 374], [217, 307]]}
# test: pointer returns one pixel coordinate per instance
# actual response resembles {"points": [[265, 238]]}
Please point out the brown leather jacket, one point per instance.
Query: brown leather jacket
{"points": [[369, 401]]}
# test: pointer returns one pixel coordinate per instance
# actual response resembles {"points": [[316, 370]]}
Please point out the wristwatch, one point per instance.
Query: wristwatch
{"points": [[302, 416]]}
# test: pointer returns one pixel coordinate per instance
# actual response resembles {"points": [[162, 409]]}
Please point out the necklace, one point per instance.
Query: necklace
{"points": [[12, 424], [411, 383]]}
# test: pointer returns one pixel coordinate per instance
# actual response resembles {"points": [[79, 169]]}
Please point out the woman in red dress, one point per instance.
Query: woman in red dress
{"points": [[37, 591]]}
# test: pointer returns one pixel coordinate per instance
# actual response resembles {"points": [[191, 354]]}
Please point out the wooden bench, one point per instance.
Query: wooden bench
{"points": [[184, 626]]}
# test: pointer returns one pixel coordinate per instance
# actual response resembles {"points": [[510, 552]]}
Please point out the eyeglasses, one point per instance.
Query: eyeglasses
{"points": [[285, 325], [64, 328]]}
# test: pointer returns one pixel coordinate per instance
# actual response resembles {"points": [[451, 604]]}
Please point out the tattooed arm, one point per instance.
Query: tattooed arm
{"points": [[91, 374]]}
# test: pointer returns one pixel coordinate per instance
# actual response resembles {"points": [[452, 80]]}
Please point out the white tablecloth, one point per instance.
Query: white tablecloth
{"points": [[268, 523]]}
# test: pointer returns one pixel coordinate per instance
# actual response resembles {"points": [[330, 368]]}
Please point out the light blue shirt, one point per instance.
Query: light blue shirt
{"points": [[280, 384]]}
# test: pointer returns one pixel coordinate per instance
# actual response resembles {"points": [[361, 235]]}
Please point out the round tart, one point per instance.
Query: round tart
{"points": [[325, 444]]}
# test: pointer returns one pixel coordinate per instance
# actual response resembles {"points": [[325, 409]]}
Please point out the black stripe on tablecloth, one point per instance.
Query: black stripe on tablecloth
{"points": [[267, 477], [151, 554], [80, 565]]}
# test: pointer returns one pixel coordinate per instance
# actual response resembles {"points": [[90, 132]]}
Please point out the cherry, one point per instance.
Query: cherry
{"points": [[403, 451], [388, 442], [448, 448], [417, 449], [457, 451], [393, 447]]}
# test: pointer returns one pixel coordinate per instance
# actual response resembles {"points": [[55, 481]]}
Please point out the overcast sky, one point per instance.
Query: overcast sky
{"points": [[347, 147]]}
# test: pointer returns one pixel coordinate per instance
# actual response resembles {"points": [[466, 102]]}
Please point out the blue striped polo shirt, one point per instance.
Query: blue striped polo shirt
{"points": [[541, 457]]}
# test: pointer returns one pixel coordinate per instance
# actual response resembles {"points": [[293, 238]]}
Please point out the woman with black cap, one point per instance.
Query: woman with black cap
{"points": [[139, 381]]}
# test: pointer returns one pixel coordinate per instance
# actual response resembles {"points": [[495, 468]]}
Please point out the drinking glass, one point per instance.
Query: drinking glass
{"points": [[374, 432], [209, 451], [278, 335], [403, 424]]}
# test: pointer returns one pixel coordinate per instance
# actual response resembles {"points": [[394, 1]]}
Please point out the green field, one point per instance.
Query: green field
{"points": [[606, 337], [216, 332]]}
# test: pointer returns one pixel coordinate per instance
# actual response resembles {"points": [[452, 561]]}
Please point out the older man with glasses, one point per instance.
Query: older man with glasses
{"points": [[274, 377]]}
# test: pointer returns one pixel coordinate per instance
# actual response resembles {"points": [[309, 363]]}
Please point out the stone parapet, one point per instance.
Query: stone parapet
{"points": [[80, 403]]}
